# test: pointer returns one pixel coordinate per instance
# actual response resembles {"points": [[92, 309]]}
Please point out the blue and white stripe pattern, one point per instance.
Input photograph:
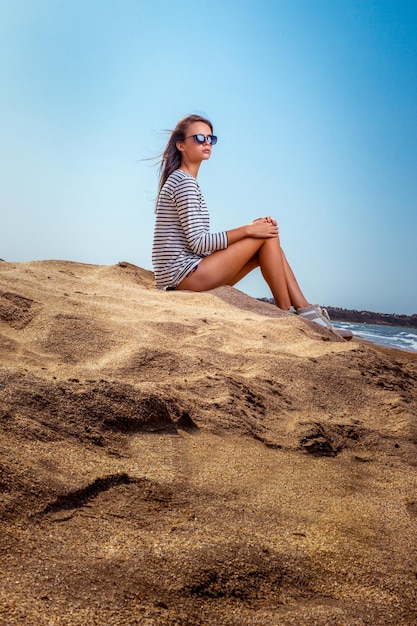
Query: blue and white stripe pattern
{"points": [[182, 236]]}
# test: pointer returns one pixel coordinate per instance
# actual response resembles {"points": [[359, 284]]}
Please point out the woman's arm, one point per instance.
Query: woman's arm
{"points": [[194, 219], [261, 228]]}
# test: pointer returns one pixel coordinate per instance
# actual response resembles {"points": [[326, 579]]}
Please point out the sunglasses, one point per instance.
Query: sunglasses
{"points": [[200, 139]]}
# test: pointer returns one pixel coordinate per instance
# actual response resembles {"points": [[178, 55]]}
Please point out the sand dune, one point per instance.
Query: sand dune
{"points": [[172, 458]]}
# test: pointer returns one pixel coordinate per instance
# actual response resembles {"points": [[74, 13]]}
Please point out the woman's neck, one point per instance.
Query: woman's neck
{"points": [[190, 168]]}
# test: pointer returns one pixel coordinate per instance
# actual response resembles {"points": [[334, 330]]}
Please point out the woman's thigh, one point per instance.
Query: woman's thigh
{"points": [[224, 267]]}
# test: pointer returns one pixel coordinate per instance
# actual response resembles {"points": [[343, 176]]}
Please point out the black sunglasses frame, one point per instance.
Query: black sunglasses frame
{"points": [[200, 139]]}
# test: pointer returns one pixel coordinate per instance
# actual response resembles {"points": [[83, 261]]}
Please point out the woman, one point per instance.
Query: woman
{"points": [[187, 256]]}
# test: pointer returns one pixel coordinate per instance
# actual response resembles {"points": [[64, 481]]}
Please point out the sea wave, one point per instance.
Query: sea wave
{"points": [[387, 336]]}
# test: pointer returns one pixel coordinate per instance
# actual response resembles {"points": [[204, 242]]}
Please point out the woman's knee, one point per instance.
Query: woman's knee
{"points": [[271, 244]]}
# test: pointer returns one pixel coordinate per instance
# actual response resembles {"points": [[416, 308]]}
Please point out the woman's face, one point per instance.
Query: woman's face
{"points": [[192, 151]]}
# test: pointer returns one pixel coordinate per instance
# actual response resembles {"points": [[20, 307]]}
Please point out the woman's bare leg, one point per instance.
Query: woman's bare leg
{"points": [[252, 264], [228, 266], [220, 267], [297, 297], [272, 267]]}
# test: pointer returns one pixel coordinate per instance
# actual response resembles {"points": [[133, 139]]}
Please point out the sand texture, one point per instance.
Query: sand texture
{"points": [[173, 458]]}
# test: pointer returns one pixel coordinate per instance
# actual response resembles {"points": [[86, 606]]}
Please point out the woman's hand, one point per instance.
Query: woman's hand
{"points": [[268, 219], [261, 228], [264, 227]]}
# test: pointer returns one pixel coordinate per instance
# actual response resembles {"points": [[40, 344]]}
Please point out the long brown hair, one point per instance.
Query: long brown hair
{"points": [[171, 157]]}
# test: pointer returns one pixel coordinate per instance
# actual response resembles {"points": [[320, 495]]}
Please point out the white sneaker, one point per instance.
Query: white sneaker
{"points": [[315, 313]]}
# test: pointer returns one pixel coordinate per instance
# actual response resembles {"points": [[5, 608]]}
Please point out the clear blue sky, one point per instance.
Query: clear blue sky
{"points": [[314, 103]]}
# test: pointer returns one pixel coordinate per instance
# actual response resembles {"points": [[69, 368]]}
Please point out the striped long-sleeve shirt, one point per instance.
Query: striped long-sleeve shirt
{"points": [[182, 236]]}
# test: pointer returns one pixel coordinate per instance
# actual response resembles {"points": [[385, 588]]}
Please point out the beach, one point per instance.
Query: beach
{"points": [[177, 458]]}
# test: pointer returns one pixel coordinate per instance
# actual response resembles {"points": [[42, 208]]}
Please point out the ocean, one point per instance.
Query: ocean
{"points": [[387, 336]]}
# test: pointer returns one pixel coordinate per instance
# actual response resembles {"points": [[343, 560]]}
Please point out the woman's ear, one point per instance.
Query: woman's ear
{"points": [[180, 146]]}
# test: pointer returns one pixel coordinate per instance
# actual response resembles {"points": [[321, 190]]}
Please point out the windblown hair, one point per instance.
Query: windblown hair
{"points": [[171, 157]]}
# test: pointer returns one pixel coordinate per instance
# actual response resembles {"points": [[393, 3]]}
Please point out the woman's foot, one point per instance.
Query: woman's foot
{"points": [[315, 313]]}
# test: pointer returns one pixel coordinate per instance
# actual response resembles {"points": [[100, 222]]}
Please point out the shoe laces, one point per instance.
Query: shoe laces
{"points": [[322, 311]]}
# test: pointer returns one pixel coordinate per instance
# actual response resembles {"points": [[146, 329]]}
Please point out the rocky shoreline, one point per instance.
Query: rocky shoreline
{"points": [[368, 317]]}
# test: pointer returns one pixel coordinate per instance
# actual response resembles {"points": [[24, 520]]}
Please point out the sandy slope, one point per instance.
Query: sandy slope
{"points": [[179, 458]]}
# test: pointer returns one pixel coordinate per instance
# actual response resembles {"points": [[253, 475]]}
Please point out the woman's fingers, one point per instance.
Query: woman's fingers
{"points": [[269, 219], [263, 228]]}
